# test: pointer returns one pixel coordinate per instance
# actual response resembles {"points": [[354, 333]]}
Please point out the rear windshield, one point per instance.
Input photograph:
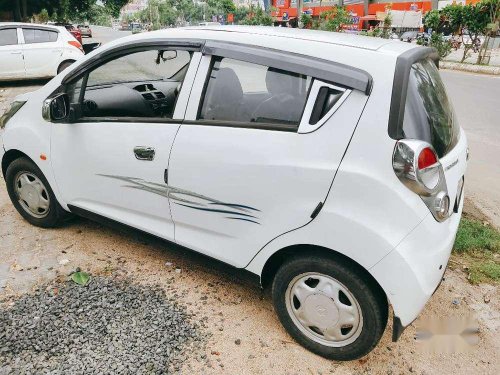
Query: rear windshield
{"points": [[428, 112]]}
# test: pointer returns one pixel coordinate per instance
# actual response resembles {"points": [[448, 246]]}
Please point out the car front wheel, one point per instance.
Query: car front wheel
{"points": [[328, 307], [31, 194]]}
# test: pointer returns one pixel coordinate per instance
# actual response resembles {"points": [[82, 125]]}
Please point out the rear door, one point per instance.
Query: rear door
{"points": [[11, 54], [42, 52], [251, 161]]}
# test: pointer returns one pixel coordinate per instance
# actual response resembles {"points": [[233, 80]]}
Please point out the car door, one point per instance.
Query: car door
{"points": [[11, 54], [243, 171], [42, 52], [112, 160]]}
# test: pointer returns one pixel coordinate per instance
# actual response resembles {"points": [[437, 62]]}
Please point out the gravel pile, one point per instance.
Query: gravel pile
{"points": [[109, 326]]}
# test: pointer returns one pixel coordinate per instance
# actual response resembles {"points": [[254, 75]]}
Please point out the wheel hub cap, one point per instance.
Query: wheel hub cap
{"points": [[32, 194], [323, 309], [320, 309]]}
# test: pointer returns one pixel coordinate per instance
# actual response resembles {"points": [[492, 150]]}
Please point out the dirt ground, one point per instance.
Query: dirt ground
{"points": [[232, 309]]}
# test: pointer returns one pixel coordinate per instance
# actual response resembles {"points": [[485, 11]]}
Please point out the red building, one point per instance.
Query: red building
{"points": [[361, 10]]}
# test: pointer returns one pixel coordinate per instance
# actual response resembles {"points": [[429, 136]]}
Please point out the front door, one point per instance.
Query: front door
{"points": [[248, 164], [113, 160], [11, 55]]}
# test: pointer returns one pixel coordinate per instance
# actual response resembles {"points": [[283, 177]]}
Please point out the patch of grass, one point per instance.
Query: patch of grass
{"points": [[477, 249], [475, 235]]}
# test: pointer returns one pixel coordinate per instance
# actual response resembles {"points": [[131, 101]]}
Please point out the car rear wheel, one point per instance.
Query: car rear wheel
{"points": [[31, 194], [329, 307]]}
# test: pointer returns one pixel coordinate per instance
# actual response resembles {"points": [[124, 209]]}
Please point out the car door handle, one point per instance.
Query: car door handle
{"points": [[16, 53], [144, 153]]}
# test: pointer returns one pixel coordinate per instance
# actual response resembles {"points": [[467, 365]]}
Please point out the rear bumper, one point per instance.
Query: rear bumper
{"points": [[411, 273]]}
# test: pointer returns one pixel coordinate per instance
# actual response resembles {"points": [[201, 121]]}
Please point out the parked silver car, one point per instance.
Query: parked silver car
{"points": [[85, 30]]}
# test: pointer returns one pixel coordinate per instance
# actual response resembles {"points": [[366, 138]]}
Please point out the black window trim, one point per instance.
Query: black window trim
{"points": [[129, 119], [272, 126], [400, 86], [113, 53], [290, 128]]}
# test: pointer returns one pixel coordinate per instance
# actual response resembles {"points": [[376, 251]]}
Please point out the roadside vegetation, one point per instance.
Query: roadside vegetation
{"points": [[100, 13], [477, 250], [467, 24]]}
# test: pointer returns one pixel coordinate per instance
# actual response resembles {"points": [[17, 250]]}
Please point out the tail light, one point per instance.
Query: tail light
{"points": [[76, 44], [417, 166]]}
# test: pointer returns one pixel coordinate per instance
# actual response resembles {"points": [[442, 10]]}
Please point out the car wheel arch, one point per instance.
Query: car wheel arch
{"points": [[62, 63], [279, 257], [10, 156]]}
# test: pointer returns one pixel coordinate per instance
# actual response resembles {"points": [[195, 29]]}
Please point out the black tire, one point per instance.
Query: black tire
{"points": [[56, 214], [371, 300], [64, 65]]}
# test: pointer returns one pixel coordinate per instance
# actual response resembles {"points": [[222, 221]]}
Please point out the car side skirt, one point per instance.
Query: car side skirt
{"points": [[242, 274]]}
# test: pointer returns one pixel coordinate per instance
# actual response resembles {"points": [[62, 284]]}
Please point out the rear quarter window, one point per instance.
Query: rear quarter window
{"points": [[429, 115]]}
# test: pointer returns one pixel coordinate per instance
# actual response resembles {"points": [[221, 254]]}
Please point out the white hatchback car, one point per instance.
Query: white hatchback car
{"points": [[330, 166], [31, 51]]}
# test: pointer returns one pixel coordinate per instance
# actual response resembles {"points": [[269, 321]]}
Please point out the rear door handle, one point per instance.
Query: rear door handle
{"points": [[144, 153], [16, 53]]}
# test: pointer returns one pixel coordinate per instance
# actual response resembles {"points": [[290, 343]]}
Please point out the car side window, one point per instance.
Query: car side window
{"points": [[143, 85], [39, 36], [8, 37], [243, 92]]}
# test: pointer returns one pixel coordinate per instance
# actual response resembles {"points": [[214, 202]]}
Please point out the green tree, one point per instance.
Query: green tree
{"points": [[334, 19], [386, 29], [43, 16], [453, 14], [114, 6], [223, 6], [475, 19], [257, 17], [432, 19], [306, 20], [240, 14]]}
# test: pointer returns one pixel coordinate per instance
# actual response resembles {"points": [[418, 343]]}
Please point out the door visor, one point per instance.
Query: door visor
{"points": [[343, 75]]}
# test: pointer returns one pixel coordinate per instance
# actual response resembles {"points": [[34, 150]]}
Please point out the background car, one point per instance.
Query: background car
{"points": [[29, 51], [85, 30], [408, 36], [73, 30], [136, 27]]}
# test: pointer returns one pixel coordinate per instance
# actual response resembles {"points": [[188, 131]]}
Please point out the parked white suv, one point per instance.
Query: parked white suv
{"points": [[328, 165], [31, 51]]}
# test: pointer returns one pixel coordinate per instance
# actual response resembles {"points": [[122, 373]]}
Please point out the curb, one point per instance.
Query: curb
{"points": [[482, 69]]}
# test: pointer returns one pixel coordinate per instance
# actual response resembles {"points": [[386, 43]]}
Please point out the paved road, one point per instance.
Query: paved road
{"points": [[476, 101], [105, 34]]}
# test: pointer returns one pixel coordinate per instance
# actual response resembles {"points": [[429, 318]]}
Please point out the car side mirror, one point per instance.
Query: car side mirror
{"points": [[165, 55], [56, 108]]}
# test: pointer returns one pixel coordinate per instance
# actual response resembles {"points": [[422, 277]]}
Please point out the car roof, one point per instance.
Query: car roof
{"points": [[279, 37], [344, 39], [370, 54], [21, 24]]}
